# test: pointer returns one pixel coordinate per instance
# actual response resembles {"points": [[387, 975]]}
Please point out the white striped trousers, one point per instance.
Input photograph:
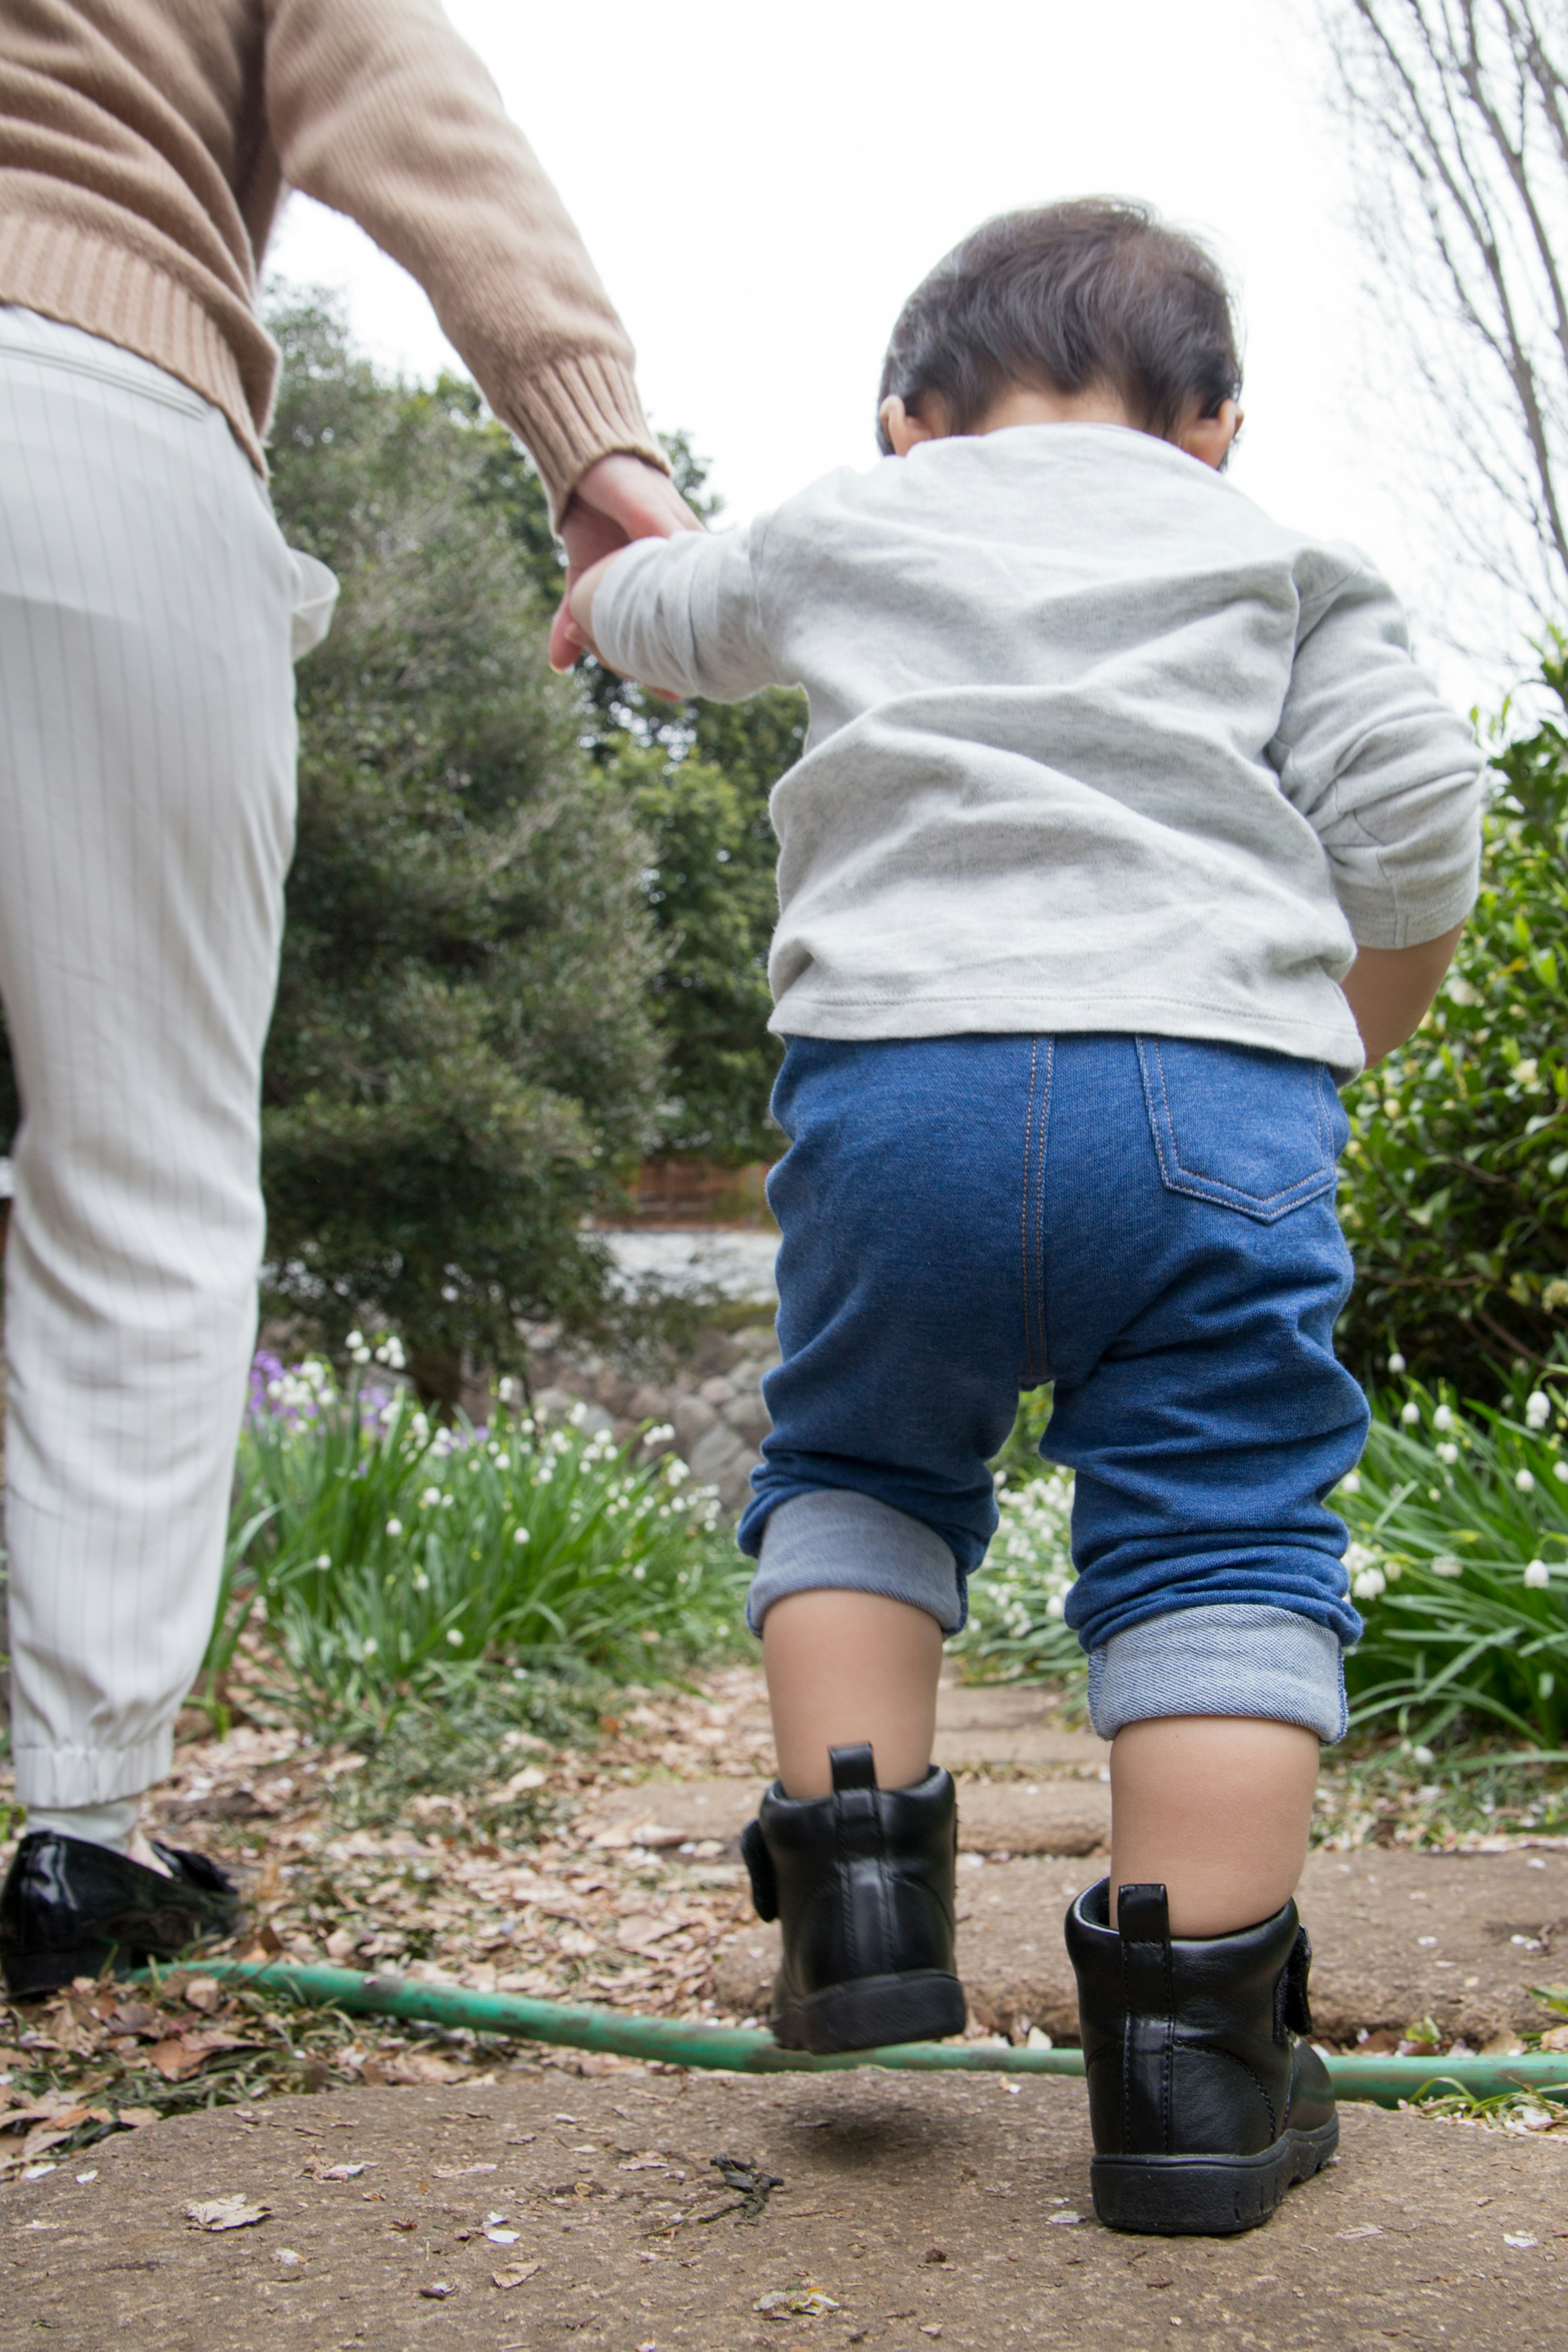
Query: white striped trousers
{"points": [[147, 748]]}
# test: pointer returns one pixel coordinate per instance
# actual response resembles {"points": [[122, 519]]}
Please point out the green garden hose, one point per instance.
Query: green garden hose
{"points": [[742, 2050]]}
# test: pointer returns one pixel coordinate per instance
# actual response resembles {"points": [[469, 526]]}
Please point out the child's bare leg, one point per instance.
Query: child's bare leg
{"points": [[1217, 1809], [843, 1668]]}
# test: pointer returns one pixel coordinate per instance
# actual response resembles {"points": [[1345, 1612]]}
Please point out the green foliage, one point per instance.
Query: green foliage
{"points": [[1016, 1631], [1456, 1192], [1459, 1563], [462, 1056], [697, 777], [391, 1562]]}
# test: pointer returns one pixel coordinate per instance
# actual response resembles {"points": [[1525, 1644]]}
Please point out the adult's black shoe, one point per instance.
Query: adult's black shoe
{"points": [[862, 1883], [70, 1908], [1206, 2103]]}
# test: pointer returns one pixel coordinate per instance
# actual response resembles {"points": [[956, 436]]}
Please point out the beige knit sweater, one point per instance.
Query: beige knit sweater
{"points": [[143, 148]]}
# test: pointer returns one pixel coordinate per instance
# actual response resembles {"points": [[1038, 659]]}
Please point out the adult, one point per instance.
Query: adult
{"points": [[147, 611]]}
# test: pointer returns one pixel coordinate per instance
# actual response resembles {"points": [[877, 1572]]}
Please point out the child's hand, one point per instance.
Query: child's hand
{"points": [[1389, 990], [580, 600]]}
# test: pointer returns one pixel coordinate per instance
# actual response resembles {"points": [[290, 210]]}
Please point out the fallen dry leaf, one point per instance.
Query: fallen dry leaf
{"points": [[227, 2213], [515, 2274], [176, 2060]]}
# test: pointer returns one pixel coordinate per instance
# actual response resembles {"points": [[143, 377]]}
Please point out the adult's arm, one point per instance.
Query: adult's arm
{"points": [[380, 111]]}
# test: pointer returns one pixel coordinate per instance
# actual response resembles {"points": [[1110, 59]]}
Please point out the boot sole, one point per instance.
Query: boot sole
{"points": [[873, 2012], [1207, 2195]]}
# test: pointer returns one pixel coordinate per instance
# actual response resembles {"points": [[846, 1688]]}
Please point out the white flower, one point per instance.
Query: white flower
{"points": [[394, 1526], [1396, 1363], [368, 1649], [419, 1427], [323, 1559], [1525, 1481], [1410, 1415], [1450, 1454], [1527, 1073], [1447, 1565], [660, 1435], [1369, 1584], [354, 1340], [1444, 1417], [1560, 1472], [430, 1500], [1350, 1483], [505, 1389], [638, 1572], [455, 1638], [1057, 1606], [522, 1536], [1538, 1408], [448, 1501], [388, 1414], [578, 1414], [421, 1581], [503, 1461], [1537, 1575], [1422, 1755], [1358, 1557]]}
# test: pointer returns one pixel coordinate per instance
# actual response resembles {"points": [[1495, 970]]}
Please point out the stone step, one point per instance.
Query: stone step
{"points": [[1459, 1938], [904, 2208], [1060, 1817]]}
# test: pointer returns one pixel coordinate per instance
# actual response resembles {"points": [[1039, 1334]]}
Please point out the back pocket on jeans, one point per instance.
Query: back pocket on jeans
{"points": [[1245, 1129]]}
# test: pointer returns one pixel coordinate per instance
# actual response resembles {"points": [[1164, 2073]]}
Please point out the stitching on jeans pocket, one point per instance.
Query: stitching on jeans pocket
{"points": [[1179, 1175]]}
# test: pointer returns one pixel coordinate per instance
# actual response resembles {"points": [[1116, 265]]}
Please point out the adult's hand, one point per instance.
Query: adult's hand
{"points": [[618, 500]]}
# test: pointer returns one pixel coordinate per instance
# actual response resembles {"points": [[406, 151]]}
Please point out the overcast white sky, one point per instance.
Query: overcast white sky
{"points": [[761, 187]]}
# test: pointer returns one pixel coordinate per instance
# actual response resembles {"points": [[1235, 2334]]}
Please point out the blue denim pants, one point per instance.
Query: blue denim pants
{"points": [[1149, 1223]]}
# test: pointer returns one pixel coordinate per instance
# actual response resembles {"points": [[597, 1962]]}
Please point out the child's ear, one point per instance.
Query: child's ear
{"points": [[902, 428], [1209, 438]]}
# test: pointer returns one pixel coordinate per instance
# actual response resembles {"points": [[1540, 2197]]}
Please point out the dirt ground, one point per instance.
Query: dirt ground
{"points": [[910, 2210]]}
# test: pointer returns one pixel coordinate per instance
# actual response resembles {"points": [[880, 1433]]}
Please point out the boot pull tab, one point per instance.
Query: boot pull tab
{"points": [[1142, 1914], [853, 1768], [1144, 1923]]}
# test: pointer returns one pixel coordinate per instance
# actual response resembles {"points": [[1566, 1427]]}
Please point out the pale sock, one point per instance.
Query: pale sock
{"points": [[114, 1826]]}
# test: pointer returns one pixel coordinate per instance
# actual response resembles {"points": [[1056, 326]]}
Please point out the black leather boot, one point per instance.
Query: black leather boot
{"points": [[70, 1908], [1204, 2104], [862, 1883]]}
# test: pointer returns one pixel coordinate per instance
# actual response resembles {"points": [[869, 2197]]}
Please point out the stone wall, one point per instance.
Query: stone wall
{"points": [[713, 1403]]}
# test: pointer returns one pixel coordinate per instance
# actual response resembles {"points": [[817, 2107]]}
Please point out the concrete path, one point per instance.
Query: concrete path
{"points": [[909, 2212]]}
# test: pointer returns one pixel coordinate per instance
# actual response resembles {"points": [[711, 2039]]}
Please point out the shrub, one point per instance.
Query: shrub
{"points": [[1455, 1198], [392, 1561]]}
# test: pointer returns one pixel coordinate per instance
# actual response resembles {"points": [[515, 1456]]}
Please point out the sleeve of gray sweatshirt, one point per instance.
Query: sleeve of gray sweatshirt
{"points": [[681, 613], [1382, 769]]}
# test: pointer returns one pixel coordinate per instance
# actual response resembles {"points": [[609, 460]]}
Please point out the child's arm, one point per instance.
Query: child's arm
{"points": [[1389, 990], [682, 615], [1390, 781]]}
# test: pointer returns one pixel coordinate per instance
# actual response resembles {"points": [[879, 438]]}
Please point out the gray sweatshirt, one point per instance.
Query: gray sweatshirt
{"points": [[1094, 744]]}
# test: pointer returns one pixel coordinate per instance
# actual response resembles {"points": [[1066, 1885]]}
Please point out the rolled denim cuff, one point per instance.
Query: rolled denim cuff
{"points": [[835, 1539], [1226, 1660]]}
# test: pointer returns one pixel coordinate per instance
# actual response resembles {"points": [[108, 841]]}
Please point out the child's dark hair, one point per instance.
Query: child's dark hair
{"points": [[1096, 291]]}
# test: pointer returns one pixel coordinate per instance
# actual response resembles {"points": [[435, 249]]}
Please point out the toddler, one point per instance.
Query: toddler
{"points": [[1125, 829]]}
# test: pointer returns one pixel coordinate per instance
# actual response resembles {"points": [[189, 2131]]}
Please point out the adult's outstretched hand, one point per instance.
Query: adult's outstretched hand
{"points": [[618, 500]]}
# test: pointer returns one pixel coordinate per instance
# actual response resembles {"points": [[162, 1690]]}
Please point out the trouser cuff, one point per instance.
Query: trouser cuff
{"points": [[56, 1776], [1226, 1660], [836, 1540]]}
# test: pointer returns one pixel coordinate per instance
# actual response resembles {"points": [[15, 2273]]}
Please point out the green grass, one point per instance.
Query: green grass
{"points": [[390, 1563]]}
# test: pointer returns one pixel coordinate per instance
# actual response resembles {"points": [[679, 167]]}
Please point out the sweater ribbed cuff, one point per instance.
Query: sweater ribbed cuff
{"points": [[580, 409]]}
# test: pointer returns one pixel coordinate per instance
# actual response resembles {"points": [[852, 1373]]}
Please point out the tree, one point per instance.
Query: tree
{"points": [[462, 1059], [1455, 1201], [697, 776], [1458, 114]]}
